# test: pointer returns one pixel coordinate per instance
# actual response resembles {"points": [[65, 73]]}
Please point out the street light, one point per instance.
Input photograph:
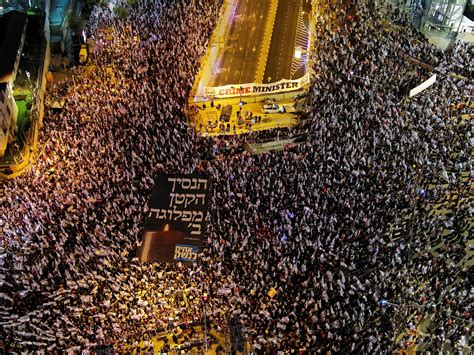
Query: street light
{"points": [[29, 81], [298, 52]]}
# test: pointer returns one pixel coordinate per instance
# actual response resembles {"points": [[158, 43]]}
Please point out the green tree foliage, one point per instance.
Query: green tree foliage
{"points": [[121, 11], [92, 3], [76, 23]]}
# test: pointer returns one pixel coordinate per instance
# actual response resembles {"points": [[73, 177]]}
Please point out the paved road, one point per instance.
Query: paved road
{"points": [[240, 59], [280, 56]]}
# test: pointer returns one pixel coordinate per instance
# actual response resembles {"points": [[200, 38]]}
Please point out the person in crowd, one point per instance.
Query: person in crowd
{"points": [[357, 258]]}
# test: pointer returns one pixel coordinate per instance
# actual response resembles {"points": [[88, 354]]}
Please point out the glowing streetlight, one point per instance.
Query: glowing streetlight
{"points": [[29, 81], [298, 53]]}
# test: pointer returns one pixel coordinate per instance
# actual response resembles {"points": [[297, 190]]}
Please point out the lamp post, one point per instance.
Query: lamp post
{"points": [[29, 81], [298, 54]]}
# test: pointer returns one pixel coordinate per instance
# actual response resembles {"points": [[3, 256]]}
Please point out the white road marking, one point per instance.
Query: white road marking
{"points": [[283, 37]]}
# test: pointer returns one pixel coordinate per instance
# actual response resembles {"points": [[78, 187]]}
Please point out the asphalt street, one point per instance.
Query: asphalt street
{"points": [[280, 56], [242, 48], [242, 51]]}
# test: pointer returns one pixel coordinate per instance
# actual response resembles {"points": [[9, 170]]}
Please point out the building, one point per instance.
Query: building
{"points": [[441, 15], [467, 25], [20, 5], [12, 38], [8, 114]]}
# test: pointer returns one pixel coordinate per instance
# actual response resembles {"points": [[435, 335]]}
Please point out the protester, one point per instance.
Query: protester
{"points": [[361, 229]]}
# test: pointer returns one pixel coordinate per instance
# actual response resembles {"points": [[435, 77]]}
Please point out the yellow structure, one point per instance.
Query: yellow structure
{"points": [[205, 118]]}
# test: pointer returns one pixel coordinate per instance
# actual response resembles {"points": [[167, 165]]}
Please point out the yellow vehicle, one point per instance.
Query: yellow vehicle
{"points": [[83, 54]]}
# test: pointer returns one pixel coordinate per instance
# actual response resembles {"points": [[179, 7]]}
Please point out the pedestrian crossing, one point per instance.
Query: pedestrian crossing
{"points": [[301, 42]]}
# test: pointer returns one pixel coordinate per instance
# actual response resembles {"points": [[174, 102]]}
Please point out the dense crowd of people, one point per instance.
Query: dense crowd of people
{"points": [[361, 229]]}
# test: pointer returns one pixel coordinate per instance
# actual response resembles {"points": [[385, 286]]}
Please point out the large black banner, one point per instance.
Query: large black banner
{"points": [[175, 224]]}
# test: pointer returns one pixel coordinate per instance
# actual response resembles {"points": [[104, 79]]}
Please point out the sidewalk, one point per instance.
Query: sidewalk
{"points": [[210, 116], [442, 40], [157, 343]]}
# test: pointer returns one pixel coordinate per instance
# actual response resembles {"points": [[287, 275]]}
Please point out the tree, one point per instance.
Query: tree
{"points": [[76, 23], [92, 3], [121, 12]]}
